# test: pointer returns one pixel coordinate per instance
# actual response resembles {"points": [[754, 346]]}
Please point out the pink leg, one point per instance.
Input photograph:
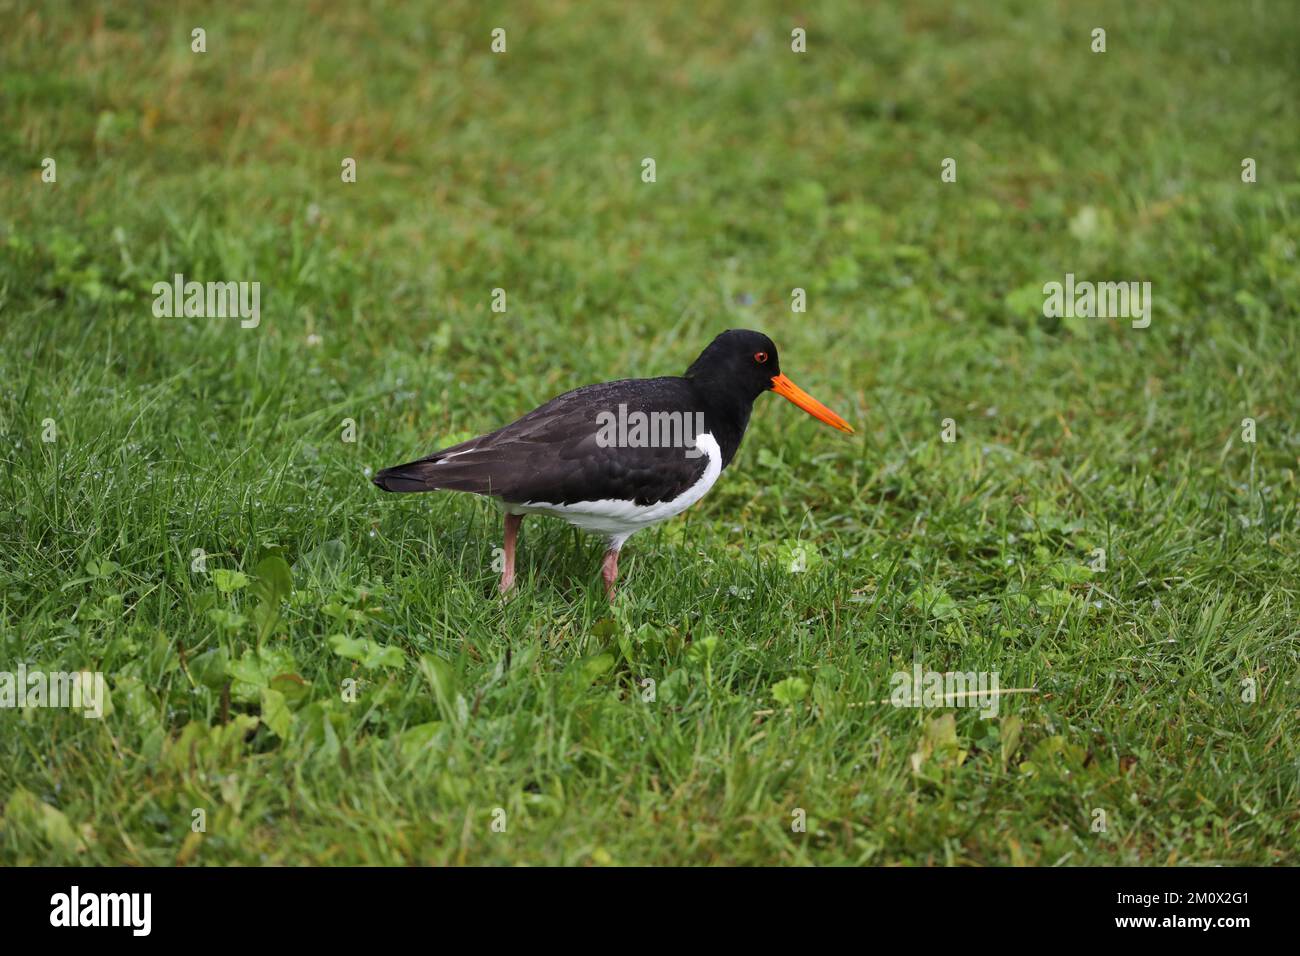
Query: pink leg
{"points": [[508, 572], [609, 572]]}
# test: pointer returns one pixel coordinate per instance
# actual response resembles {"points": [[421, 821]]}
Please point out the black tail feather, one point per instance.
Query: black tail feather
{"points": [[394, 479], [433, 474]]}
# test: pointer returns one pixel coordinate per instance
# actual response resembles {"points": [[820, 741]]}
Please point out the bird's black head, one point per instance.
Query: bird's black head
{"points": [[738, 361], [740, 365]]}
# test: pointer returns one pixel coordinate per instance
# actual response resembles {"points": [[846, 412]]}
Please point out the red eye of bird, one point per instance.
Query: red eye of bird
{"points": [[760, 357]]}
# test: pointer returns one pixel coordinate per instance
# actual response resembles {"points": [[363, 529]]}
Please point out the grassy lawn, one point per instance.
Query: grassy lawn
{"points": [[325, 671]]}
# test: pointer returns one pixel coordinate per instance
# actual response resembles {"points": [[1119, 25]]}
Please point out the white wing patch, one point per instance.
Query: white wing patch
{"points": [[615, 518]]}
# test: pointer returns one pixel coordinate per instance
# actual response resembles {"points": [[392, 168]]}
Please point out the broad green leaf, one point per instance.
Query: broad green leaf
{"points": [[702, 650], [421, 737], [441, 678], [1071, 573], [274, 579], [276, 713], [790, 691], [226, 619], [592, 668], [352, 648], [292, 686], [227, 580], [273, 584], [367, 653], [319, 561], [933, 600], [254, 670], [674, 688]]}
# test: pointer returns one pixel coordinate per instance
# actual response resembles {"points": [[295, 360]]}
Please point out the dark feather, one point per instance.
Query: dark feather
{"points": [[552, 453]]}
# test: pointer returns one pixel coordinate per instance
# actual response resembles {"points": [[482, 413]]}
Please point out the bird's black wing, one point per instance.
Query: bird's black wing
{"points": [[559, 455]]}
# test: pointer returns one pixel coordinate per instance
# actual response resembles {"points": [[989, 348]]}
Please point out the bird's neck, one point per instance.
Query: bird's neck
{"points": [[726, 416]]}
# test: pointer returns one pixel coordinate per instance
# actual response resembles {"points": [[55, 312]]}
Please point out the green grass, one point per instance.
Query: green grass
{"points": [[775, 171]]}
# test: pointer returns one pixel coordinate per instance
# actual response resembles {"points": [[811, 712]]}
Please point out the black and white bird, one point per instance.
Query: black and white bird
{"points": [[620, 456]]}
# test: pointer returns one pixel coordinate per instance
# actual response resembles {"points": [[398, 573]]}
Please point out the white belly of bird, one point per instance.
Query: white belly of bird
{"points": [[616, 519]]}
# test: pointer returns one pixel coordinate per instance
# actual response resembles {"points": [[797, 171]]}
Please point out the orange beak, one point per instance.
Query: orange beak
{"points": [[788, 389]]}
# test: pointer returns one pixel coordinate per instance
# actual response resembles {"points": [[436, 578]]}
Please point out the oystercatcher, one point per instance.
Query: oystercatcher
{"points": [[617, 457]]}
